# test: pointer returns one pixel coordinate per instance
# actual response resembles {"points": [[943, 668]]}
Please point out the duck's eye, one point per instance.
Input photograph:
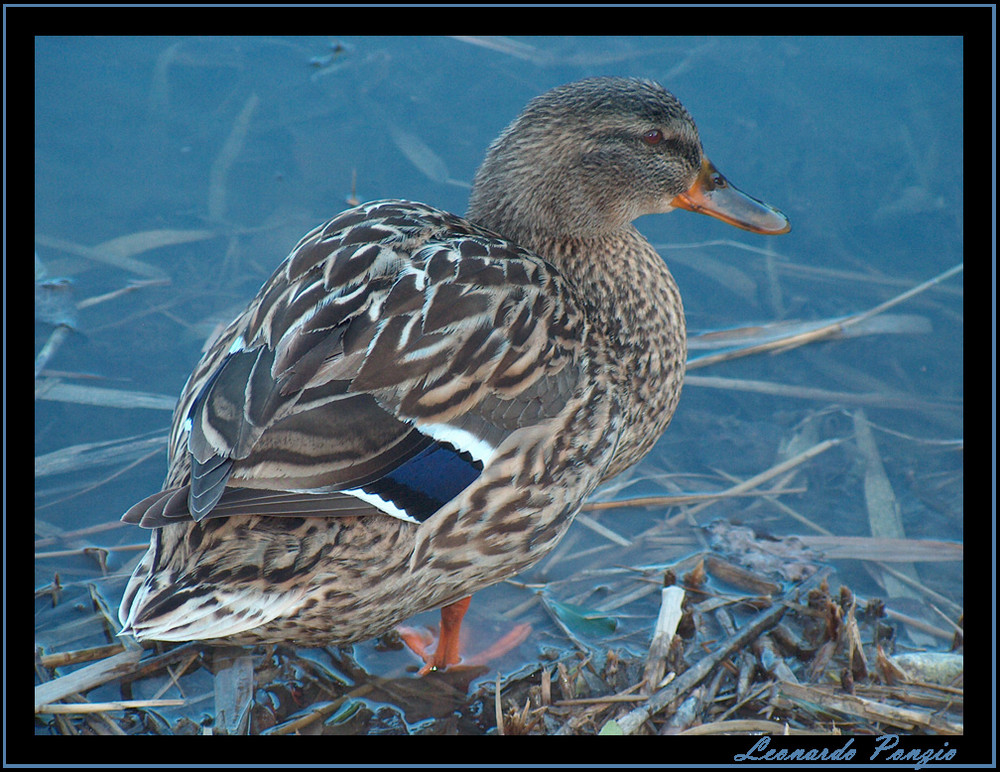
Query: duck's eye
{"points": [[653, 137]]}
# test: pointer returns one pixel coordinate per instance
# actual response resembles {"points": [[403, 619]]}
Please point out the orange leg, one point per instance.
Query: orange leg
{"points": [[447, 649], [451, 623], [446, 654]]}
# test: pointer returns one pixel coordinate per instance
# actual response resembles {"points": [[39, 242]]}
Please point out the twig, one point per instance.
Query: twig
{"points": [[231, 148], [62, 658], [90, 454], [59, 334], [879, 399], [132, 287], [317, 712], [101, 707], [828, 701], [52, 389], [497, 709], [86, 678], [766, 475], [671, 600], [631, 721], [679, 499], [831, 330]]}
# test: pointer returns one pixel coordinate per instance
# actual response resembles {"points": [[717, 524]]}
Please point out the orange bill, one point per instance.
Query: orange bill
{"points": [[714, 195]]}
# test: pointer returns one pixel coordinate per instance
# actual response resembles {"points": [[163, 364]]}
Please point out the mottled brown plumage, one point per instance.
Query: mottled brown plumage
{"points": [[520, 356]]}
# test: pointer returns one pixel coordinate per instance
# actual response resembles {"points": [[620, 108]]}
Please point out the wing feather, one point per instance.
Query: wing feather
{"points": [[389, 329]]}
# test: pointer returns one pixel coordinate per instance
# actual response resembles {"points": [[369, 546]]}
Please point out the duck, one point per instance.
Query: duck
{"points": [[416, 404]]}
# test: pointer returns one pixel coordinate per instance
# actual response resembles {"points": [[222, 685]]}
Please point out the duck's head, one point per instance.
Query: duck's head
{"points": [[586, 158]]}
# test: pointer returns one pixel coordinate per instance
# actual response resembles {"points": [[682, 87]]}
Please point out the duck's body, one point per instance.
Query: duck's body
{"points": [[416, 405]]}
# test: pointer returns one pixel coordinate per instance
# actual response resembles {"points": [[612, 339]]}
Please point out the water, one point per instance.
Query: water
{"points": [[235, 147]]}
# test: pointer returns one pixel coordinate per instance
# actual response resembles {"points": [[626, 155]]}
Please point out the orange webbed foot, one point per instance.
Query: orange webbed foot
{"points": [[446, 655]]}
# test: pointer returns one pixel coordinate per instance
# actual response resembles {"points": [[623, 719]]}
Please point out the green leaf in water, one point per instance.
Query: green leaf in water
{"points": [[583, 621], [345, 713], [611, 728]]}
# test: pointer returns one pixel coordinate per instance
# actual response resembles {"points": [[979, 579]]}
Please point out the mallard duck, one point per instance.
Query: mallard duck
{"points": [[415, 405]]}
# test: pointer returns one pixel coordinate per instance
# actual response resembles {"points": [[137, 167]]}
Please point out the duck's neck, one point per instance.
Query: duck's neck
{"points": [[633, 303]]}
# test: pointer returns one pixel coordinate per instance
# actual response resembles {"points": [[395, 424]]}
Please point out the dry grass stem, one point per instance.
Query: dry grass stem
{"points": [[57, 391], [103, 707]]}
